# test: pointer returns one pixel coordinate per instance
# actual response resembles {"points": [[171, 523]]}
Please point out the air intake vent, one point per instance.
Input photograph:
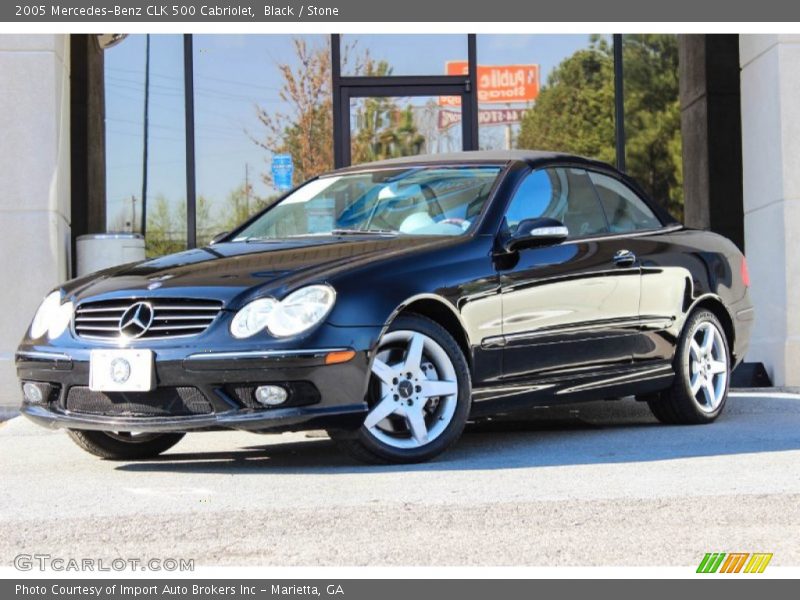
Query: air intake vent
{"points": [[161, 402], [145, 318]]}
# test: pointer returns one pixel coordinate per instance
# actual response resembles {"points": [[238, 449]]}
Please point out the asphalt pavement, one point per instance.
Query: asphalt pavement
{"points": [[592, 484]]}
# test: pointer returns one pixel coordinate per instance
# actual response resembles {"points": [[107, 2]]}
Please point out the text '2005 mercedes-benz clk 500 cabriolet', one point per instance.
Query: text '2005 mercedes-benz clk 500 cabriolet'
{"points": [[389, 303]]}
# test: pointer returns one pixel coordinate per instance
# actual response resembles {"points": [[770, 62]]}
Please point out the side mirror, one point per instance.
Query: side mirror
{"points": [[532, 233], [218, 237]]}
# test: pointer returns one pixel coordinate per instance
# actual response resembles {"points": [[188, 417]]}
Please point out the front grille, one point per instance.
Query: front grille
{"points": [[172, 317], [161, 402]]}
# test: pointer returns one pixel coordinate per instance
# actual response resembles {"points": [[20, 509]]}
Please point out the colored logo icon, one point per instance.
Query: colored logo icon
{"points": [[734, 562]]}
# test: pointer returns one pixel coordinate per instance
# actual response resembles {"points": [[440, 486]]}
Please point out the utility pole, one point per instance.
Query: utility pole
{"points": [[508, 134], [247, 189], [146, 131], [188, 101], [133, 215]]}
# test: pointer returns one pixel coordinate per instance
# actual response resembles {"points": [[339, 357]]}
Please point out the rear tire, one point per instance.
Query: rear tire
{"points": [[419, 396], [124, 446], [702, 374]]}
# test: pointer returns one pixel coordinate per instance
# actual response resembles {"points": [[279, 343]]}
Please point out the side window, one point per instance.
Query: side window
{"points": [[537, 196], [584, 215], [563, 194], [625, 210]]}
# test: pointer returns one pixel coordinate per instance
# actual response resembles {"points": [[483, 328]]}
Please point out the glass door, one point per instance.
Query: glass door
{"points": [[395, 126], [379, 123], [378, 114]]}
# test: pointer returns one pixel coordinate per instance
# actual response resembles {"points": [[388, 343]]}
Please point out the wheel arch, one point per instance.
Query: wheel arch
{"points": [[440, 311], [715, 305]]}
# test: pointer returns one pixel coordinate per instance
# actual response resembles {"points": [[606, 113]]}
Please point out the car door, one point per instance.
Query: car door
{"points": [[663, 266], [572, 306]]}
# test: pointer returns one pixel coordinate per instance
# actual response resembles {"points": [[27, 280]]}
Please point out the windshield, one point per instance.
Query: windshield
{"points": [[407, 201]]}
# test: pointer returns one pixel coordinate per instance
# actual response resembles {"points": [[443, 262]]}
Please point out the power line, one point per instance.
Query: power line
{"points": [[200, 77], [214, 128]]}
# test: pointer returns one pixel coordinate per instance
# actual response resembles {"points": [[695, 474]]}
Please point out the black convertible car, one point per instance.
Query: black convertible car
{"points": [[391, 302]]}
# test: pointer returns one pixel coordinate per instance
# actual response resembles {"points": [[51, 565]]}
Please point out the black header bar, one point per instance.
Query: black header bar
{"points": [[454, 11]]}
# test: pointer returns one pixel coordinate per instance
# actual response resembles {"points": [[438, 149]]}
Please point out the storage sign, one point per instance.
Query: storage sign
{"points": [[498, 84]]}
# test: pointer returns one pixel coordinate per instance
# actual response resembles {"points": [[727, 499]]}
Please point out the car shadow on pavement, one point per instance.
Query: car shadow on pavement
{"points": [[591, 433]]}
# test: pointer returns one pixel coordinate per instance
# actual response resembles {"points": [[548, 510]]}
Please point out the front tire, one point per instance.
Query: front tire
{"points": [[419, 396], [702, 374], [124, 446]]}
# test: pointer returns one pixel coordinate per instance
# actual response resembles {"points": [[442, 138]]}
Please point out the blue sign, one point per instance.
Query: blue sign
{"points": [[282, 171]]}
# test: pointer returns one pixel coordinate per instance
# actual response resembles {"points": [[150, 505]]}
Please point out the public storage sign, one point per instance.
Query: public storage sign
{"points": [[497, 84], [486, 117]]}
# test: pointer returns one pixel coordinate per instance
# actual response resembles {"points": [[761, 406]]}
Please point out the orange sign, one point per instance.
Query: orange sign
{"points": [[498, 84]]}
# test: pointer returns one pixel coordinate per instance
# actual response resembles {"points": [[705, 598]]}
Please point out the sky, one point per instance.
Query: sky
{"points": [[235, 73]]}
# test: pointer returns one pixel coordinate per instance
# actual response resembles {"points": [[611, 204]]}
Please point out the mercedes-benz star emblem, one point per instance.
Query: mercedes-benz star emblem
{"points": [[120, 370], [135, 321]]}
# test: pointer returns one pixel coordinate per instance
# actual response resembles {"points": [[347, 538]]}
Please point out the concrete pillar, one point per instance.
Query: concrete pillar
{"points": [[770, 84], [711, 132], [88, 136], [34, 185]]}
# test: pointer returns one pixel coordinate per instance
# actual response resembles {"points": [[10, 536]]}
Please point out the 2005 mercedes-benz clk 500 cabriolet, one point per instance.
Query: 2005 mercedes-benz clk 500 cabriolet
{"points": [[389, 303]]}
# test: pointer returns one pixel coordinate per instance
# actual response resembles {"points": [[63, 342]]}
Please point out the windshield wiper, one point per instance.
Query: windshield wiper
{"points": [[257, 239], [267, 240], [363, 231]]}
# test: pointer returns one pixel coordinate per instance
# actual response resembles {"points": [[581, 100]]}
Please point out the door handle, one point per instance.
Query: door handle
{"points": [[624, 258]]}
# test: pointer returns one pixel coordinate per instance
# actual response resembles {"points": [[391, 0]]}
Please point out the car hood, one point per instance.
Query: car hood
{"points": [[227, 270]]}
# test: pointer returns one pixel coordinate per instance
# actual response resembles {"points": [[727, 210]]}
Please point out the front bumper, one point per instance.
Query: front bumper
{"points": [[285, 419], [321, 395]]}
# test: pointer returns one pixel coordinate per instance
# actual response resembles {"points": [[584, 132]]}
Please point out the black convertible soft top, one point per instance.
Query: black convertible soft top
{"points": [[480, 156]]}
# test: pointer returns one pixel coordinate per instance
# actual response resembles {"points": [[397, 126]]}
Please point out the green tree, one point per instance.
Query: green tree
{"points": [[206, 226], [166, 225], [305, 130], [162, 229], [237, 207], [383, 130], [575, 112], [653, 117], [575, 109], [240, 204]]}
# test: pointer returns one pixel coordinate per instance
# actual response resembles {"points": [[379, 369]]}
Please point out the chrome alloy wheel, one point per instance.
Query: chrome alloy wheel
{"points": [[418, 390], [708, 366]]}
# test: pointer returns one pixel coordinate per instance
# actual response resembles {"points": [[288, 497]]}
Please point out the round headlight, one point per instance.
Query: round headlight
{"points": [[44, 315], [60, 320], [252, 318], [301, 310]]}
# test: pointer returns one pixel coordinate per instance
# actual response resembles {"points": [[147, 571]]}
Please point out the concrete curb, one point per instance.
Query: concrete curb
{"points": [[767, 390]]}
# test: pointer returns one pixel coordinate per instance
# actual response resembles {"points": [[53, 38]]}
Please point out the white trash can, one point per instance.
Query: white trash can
{"points": [[98, 251]]}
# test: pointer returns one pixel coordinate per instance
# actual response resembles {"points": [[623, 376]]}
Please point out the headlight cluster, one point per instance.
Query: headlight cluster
{"points": [[296, 313], [52, 318]]}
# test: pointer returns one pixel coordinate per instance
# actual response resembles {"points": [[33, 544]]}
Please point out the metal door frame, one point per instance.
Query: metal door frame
{"points": [[346, 88]]}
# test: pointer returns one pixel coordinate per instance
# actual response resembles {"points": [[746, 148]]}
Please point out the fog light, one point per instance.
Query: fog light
{"points": [[271, 395], [32, 393]]}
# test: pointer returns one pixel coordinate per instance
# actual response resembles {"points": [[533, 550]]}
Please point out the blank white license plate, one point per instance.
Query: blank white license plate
{"points": [[121, 370]]}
